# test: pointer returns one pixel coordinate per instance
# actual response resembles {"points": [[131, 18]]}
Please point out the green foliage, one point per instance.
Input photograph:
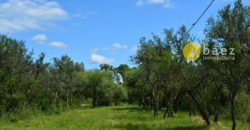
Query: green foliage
{"points": [[162, 80], [122, 69], [243, 106], [101, 87], [27, 84], [208, 85], [106, 67], [115, 117]]}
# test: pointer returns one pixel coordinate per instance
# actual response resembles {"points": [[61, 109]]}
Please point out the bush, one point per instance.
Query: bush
{"points": [[243, 106]]}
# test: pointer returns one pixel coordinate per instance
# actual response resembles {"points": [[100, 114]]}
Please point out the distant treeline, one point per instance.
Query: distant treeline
{"points": [[28, 85]]}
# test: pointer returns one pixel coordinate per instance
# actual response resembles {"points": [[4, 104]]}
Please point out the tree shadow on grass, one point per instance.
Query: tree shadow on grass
{"points": [[142, 126], [130, 109], [82, 107], [189, 128], [130, 126]]}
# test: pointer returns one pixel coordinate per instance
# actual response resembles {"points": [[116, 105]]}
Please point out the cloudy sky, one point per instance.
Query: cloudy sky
{"points": [[97, 31]]}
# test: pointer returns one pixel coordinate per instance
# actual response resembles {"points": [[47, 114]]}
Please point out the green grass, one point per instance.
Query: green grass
{"points": [[113, 118]]}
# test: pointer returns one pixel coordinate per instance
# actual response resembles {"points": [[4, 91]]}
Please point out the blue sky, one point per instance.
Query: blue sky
{"points": [[95, 31]]}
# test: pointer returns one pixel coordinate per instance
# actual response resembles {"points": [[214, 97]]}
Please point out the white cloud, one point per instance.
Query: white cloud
{"points": [[58, 44], [99, 59], [40, 38], [113, 48], [119, 46], [165, 3], [22, 15]]}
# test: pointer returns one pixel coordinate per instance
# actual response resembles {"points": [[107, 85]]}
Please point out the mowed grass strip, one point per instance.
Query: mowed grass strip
{"points": [[112, 118]]}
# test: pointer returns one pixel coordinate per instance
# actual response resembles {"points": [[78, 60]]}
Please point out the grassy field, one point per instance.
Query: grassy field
{"points": [[113, 118]]}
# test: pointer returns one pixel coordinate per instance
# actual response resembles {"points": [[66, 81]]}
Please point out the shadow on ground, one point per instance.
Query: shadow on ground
{"points": [[130, 109], [189, 128], [134, 126], [143, 127]]}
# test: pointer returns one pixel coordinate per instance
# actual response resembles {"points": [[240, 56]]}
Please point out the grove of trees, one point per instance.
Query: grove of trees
{"points": [[211, 87], [28, 85], [163, 80]]}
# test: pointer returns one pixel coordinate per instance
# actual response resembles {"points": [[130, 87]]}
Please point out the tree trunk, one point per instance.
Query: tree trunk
{"points": [[165, 113], [94, 99], [233, 112], [169, 102], [67, 98], [143, 105], [190, 110], [156, 103], [216, 117], [166, 103], [156, 108], [217, 104], [202, 110], [68, 95], [175, 105], [57, 102]]}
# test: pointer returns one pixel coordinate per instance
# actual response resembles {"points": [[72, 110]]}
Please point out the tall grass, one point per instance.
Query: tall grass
{"points": [[114, 118]]}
